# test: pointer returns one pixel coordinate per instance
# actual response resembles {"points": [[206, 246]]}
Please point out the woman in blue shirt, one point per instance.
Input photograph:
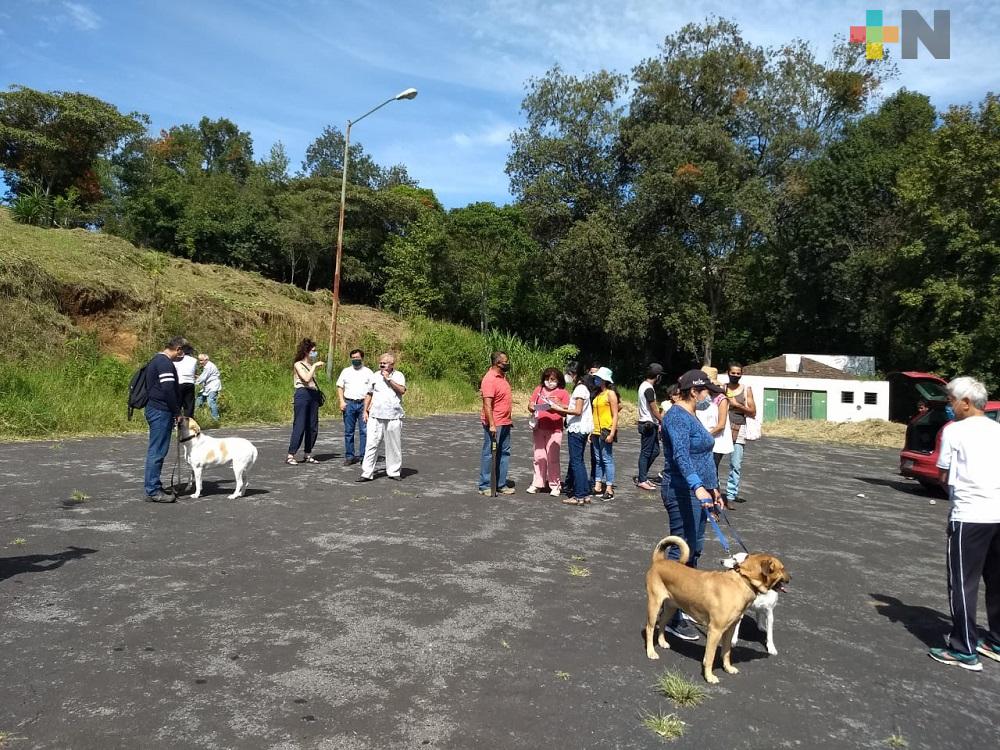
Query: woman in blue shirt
{"points": [[690, 484]]}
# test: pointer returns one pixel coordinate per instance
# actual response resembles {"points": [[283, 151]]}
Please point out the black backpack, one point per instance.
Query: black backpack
{"points": [[138, 395]]}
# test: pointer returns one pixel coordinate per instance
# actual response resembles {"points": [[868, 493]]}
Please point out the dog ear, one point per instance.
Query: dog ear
{"points": [[766, 566]]}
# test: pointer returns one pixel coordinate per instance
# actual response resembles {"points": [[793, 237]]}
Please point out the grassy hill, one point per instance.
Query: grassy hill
{"points": [[80, 310]]}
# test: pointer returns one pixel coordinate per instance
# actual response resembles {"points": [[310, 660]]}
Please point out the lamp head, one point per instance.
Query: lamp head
{"points": [[408, 94]]}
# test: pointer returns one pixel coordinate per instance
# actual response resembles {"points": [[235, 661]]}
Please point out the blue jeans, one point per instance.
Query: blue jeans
{"points": [[578, 485], [649, 448], [306, 420], [735, 470], [161, 427], [503, 450], [352, 418], [686, 516], [602, 461], [212, 398]]}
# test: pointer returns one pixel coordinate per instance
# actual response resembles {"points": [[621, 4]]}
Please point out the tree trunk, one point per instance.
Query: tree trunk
{"points": [[309, 276], [483, 322]]}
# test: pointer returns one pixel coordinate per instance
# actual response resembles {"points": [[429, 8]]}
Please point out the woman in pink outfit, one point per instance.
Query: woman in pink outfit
{"points": [[546, 430]]}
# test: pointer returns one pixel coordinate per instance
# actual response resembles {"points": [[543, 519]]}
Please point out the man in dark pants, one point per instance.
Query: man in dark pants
{"points": [[162, 412], [969, 466], [649, 425]]}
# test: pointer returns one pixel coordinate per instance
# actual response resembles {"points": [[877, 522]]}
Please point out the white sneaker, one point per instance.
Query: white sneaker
{"points": [[556, 491], [532, 489]]}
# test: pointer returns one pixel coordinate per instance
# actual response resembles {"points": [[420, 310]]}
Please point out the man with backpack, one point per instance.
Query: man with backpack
{"points": [[162, 411]]}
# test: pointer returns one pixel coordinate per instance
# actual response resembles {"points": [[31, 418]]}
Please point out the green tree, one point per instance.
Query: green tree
{"points": [[414, 267], [325, 158]]}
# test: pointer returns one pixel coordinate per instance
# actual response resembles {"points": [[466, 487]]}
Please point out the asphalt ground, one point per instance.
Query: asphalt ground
{"points": [[320, 613]]}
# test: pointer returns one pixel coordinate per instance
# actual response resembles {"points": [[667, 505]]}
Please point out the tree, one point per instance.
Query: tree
{"points": [[53, 140], [716, 138], [414, 267], [325, 158], [562, 164]]}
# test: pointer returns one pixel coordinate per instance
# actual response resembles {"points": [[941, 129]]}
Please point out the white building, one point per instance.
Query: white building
{"points": [[795, 386]]}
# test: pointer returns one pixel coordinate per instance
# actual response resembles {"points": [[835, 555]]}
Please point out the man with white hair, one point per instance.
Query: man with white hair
{"points": [[211, 384], [384, 416], [969, 464]]}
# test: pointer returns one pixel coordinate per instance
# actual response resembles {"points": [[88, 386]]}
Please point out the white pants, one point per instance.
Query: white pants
{"points": [[391, 431]]}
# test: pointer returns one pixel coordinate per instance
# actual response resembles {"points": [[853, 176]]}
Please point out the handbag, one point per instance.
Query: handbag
{"points": [[321, 396], [751, 430]]}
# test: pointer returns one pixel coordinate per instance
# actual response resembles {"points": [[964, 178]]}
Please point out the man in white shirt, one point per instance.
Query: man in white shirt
{"points": [[211, 384], [185, 378], [649, 425], [352, 388], [384, 415], [968, 461]]}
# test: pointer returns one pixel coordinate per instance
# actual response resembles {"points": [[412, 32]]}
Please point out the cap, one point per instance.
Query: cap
{"points": [[604, 374], [655, 368], [697, 379]]}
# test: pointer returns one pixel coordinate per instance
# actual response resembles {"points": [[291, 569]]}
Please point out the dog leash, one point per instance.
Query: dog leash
{"points": [[177, 463], [718, 532], [732, 529]]}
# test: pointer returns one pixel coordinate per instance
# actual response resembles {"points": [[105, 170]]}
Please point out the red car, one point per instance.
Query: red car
{"points": [[918, 459]]}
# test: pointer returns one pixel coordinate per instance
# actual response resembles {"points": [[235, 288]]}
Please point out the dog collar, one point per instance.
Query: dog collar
{"points": [[749, 583], [192, 436]]}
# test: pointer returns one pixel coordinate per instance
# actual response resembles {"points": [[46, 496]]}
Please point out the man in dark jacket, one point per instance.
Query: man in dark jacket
{"points": [[162, 412]]}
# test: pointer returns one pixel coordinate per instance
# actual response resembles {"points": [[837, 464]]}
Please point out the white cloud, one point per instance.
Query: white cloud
{"points": [[83, 16], [496, 135]]}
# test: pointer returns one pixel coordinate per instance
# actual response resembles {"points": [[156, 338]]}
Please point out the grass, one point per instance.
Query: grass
{"points": [[665, 726], [870, 432], [578, 571], [896, 741], [680, 690], [562, 675], [79, 496], [20, 541]]}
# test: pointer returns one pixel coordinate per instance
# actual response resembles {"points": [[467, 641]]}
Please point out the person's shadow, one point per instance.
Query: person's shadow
{"points": [[12, 566], [928, 625]]}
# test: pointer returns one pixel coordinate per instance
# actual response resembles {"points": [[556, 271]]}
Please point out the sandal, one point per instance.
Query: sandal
{"points": [[291, 461], [598, 488], [609, 493], [571, 501], [309, 460]]}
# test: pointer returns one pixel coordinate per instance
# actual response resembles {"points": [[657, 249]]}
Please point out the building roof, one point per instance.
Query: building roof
{"points": [[808, 368]]}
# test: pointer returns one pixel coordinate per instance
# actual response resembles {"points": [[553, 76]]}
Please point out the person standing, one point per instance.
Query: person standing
{"points": [[186, 368], [741, 406], [497, 420], [714, 416], [605, 434], [162, 412], [352, 388], [384, 416], [579, 425], [547, 431], [649, 425], [305, 422], [211, 385], [968, 464], [689, 476]]}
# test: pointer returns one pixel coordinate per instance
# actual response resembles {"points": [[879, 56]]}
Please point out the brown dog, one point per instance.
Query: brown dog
{"points": [[716, 599]]}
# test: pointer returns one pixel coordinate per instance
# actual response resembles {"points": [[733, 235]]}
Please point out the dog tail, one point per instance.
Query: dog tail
{"points": [[669, 541]]}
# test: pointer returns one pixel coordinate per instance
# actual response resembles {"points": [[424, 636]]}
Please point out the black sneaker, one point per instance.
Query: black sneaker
{"points": [[363, 478], [348, 461], [161, 497], [683, 630]]}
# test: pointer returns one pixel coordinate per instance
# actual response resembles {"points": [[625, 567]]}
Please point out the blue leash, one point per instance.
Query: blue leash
{"points": [[721, 536]]}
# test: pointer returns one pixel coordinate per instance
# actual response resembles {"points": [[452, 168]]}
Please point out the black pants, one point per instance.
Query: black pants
{"points": [[187, 399], [306, 420], [973, 551]]}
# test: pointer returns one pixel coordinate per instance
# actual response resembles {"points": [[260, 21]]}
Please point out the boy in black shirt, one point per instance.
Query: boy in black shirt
{"points": [[162, 412]]}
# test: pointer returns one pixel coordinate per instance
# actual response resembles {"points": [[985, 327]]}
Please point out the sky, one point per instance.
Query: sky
{"points": [[285, 69]]}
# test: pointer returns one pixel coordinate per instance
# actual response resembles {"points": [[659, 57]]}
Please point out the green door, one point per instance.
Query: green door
{"points": [[770, 404], [819, 405]]}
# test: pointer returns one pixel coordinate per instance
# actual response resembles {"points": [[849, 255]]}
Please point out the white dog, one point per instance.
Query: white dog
{"points": [[204, 451], [762, 608]]}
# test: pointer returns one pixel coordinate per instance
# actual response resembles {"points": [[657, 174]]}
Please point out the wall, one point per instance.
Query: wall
{"points": [[835, 410]]}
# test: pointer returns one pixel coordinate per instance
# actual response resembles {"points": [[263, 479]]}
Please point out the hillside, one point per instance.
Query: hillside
{"points": [[81, 309]]}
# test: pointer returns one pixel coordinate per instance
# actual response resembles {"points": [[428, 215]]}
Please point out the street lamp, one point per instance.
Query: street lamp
{"points": [[407, 94]]}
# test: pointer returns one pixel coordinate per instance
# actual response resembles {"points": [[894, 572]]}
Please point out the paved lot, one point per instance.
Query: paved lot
{"points": [[318, 613]]}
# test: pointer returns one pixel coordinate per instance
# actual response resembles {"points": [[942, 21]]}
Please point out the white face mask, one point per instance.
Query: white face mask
{"points": [[551, 384], [569, 378]]}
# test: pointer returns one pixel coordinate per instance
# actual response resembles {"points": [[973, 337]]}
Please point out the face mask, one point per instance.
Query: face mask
{"points": [[949, 412], [313, 356], [505, 367], [734, 379], [355, 363], [704, 403], [598, 382], [551, 384], [569, 378]]}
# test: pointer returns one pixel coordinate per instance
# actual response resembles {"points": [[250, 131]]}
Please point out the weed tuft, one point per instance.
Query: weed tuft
{"points": [[896, 741], [79, 496], [679, 689], [665, 726], [562, 675], [578, 571]]}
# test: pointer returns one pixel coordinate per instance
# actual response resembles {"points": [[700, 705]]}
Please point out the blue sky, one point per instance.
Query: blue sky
{"points": [[286, 68]]}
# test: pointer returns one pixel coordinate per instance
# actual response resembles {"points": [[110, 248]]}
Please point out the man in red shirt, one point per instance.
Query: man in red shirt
{"points": [[496, 418]]}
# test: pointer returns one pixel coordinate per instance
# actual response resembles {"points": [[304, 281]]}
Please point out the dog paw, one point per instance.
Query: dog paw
{"points": [[652, 655], [711, 679], [731, 669], [772, 650], [663, 641], [232, 497], [195, 496]]}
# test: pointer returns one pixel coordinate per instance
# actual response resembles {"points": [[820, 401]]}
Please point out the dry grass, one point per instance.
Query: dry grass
{"points": [[871, 432]]}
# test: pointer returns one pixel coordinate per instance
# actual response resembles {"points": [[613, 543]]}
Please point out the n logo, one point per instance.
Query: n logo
{"points": [[874, 34]]}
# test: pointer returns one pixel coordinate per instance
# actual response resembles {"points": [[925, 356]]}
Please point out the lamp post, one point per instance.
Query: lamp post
{"points": [[407, 94]]}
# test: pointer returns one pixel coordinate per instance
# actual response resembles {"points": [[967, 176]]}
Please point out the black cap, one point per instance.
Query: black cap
{"points": [[655, 368], [697, 379]]}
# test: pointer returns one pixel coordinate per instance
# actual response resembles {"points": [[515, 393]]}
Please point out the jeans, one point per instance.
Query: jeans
{"points": [[686, 516], [212, 397], [578, 483], [602, 461], [161, 427], [503, 451], [649, 449], [352, 418], [306, 420], [735, 469]]}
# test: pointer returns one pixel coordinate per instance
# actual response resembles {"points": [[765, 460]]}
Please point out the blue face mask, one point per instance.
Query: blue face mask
{"points": [[313, 356], [949, 412], [598, 382], [704, 403]]}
